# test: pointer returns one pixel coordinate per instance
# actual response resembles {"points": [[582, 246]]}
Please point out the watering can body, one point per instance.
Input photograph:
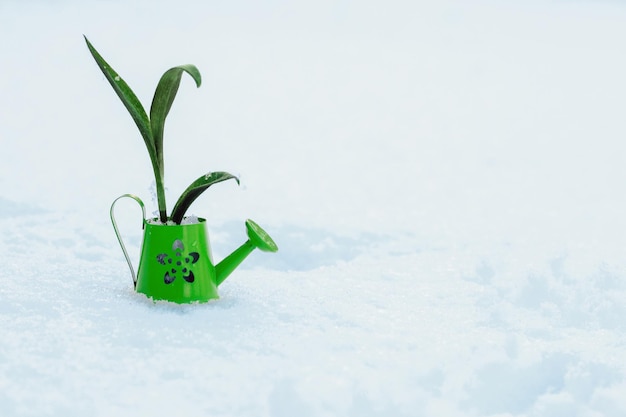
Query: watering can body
{"points": [[176, 264]]}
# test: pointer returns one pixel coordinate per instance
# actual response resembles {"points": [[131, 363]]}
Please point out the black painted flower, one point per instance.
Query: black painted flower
{"points": [[179, 263]]}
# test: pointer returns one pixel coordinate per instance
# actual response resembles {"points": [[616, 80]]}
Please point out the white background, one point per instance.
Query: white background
{"points": [[445, 181]]}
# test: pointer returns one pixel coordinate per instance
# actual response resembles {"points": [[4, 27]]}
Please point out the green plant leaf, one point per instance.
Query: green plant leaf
{"points": [[137, 112], [162, 102], [130, 100], [195, 189]]}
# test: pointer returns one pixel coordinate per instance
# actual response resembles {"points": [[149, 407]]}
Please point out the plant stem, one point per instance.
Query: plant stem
{"points": [[160, 191]]}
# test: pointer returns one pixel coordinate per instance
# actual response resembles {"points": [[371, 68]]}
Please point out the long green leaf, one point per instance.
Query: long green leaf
{"points": [[162, 102], [137, 112], [130, 100], [195, 189]]}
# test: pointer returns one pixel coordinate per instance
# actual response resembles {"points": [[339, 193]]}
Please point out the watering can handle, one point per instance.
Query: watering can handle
{"points": [[117, 232]]}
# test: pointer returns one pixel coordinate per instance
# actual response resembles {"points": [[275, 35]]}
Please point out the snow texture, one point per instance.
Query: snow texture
{"points": [[445, 181]]}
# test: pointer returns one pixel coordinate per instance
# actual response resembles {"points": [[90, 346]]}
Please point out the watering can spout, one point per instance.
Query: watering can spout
{"points": [[257, 238]]}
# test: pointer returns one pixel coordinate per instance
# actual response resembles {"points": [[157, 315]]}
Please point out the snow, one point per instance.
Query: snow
{"points": [[191, 219], [444, 181]]}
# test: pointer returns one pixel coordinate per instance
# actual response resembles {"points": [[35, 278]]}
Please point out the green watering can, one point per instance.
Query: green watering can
{"points": [[176, 262]]}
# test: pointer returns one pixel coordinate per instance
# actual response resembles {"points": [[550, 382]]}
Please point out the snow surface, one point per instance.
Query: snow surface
{"points": [[445, 181]]}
